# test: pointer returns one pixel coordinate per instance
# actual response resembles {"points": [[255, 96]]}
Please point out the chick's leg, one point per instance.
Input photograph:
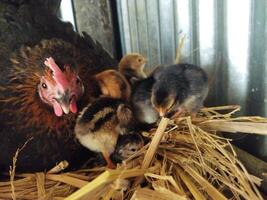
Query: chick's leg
{"points": [[110, 164], [193, 115]]}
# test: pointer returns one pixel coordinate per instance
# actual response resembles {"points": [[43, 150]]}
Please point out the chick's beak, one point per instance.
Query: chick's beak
{"points": [[142, 74], [161, 111], [145, 60]]}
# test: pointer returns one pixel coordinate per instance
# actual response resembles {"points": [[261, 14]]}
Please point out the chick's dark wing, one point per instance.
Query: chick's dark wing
{"points": [[197, 78]]}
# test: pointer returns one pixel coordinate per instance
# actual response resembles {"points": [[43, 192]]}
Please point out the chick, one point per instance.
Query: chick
{"points": [[127, 146], [132, 67], [143, 109], [116, 84], [99, 125], [113, 84], [178, 89]]}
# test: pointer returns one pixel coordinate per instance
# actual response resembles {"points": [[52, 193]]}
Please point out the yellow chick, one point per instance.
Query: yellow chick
{"points": [[132, 67], [113, 84]]}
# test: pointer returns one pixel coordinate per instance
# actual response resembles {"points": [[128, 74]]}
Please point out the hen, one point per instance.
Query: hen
{"points": [[43, 85]]}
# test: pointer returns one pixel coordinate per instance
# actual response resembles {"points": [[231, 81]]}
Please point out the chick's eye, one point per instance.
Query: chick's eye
{"points": [[139, 60], [44, 85], [133, 149]]}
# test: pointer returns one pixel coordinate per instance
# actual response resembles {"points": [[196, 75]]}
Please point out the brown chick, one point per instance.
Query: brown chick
{"points": [[116, 84], [132, 67], [113, 84], [100, 124]]}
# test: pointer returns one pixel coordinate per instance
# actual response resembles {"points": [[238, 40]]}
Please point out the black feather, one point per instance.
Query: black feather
{"points": [[97, 106], [102, 121]]}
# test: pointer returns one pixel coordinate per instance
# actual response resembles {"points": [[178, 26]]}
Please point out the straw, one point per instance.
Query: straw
{"points": [[189, 160]]}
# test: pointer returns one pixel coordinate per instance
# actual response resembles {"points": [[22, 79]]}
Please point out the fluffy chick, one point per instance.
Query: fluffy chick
{"points": [[113, 84], [179, 88], [143, 109], [116, 84], [99, 125], [127, 146], [132, 67]]}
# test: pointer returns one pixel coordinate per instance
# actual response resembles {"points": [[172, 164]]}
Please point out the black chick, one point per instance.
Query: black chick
{"points": [[178, 89], [143, 109], [99, 125]]}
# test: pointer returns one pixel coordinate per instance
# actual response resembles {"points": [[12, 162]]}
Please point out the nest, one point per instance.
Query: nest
{"points": [[189, 160]]}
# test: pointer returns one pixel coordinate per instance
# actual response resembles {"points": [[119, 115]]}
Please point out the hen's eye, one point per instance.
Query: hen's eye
{"points": [[139, 60], [44, 85]]}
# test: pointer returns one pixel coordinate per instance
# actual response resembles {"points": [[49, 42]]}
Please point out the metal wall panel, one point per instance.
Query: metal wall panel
{"points": [[227, 38], [94, 18]]}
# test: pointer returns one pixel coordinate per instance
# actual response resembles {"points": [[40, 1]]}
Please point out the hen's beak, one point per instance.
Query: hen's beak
{"points": [[67, 103], [65, 108], [64, 102]]}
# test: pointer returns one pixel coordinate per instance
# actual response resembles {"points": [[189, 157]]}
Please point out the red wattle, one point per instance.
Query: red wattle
{"points": [[73, 106], [57, 109]]}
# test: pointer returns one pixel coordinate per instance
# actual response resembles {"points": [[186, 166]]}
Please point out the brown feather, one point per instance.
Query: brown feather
{"points": [[24, 115], [113, 84]]}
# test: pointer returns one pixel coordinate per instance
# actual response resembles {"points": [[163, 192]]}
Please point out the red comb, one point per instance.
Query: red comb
{"points": [[58, 75]]}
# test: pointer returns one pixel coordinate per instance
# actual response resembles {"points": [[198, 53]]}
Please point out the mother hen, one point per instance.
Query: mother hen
{"points": [[46, 79]]}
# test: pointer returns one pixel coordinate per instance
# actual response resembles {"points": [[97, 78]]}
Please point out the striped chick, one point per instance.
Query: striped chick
{"points": [[100, 123]]}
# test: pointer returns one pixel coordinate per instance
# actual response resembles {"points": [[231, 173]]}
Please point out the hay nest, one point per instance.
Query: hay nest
{"points": [[192, 161]]}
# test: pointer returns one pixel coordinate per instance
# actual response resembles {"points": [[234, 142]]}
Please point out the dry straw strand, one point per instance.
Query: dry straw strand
{"points": [[179, 49], [12, 170], [153, 146]]}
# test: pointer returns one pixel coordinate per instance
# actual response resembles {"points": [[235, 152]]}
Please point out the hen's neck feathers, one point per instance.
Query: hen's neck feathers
{"points": [[20, 94]]}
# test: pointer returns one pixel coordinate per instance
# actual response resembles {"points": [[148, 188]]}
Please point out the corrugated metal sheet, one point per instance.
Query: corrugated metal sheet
{"points": [[94, 18], [227, 38]]}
